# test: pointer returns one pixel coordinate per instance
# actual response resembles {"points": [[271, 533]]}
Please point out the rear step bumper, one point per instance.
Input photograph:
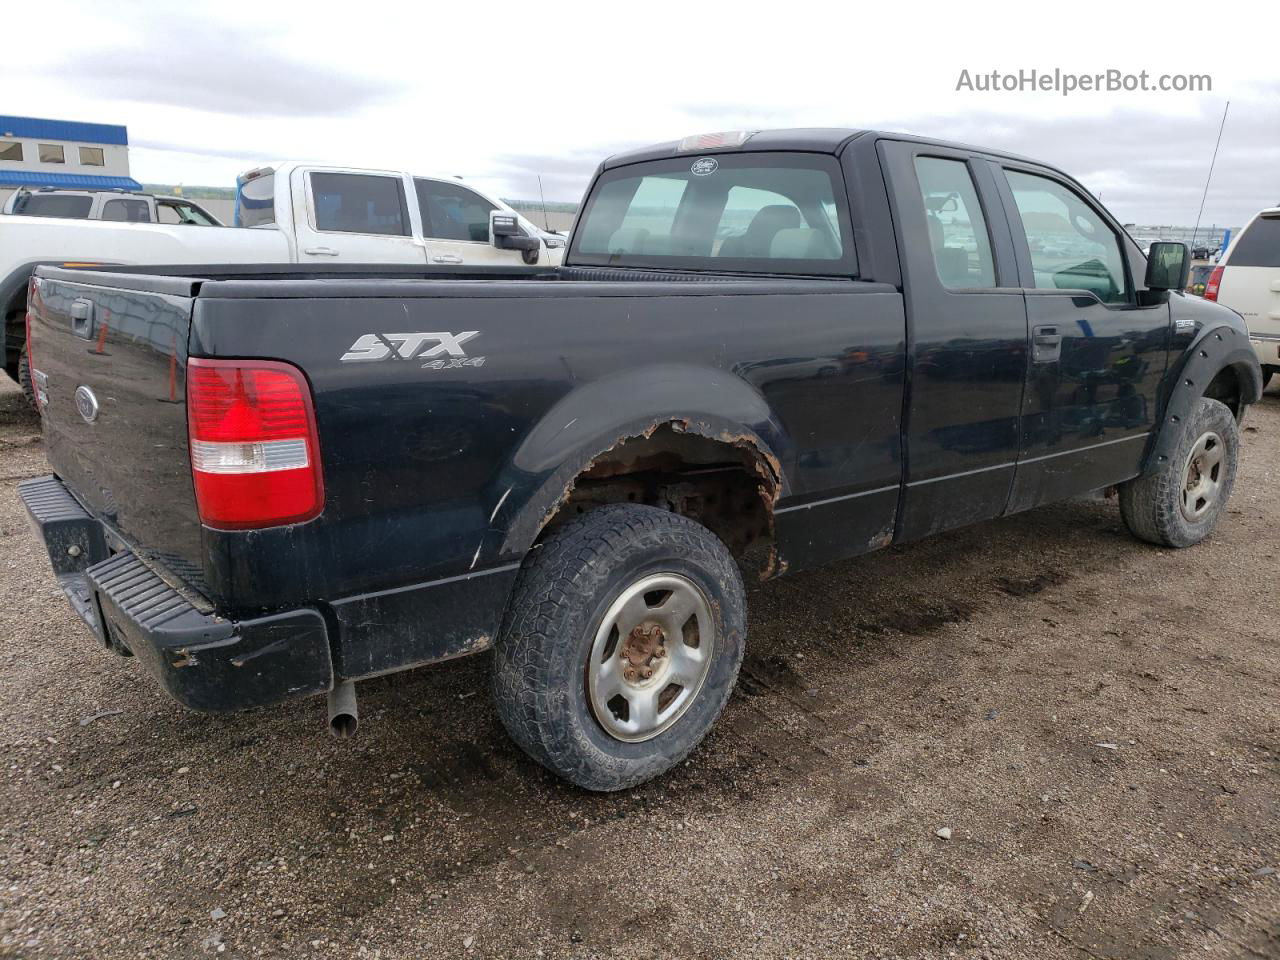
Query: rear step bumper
{"points": [[206, 662]]}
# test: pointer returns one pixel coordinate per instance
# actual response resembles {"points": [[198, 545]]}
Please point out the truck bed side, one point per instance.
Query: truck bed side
{"points": [[442, 468]]}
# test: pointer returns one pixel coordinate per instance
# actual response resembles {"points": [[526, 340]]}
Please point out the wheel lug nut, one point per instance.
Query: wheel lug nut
{"points": [[662, 652], [647, 673]]}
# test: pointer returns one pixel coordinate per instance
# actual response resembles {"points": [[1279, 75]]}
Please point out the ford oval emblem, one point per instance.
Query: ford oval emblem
{"points": [[704, 166], [87, 404]]}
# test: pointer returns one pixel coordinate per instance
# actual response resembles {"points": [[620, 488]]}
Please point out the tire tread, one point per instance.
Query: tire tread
{"points": [[1149, 504], [556, 583]]}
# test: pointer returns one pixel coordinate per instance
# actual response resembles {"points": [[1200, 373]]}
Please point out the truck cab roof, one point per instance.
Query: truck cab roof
{"points": [[804, 139]]}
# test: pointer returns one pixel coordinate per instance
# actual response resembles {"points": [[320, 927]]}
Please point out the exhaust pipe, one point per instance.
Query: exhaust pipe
{"points": [[343, 717]]}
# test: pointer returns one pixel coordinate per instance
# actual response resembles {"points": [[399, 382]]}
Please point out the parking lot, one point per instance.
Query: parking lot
{"points": [[1095, 721]]}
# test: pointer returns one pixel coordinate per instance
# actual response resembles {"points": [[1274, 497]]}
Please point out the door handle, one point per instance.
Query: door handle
{"points": [[321, 251], [446, 258], [1046, 344]]}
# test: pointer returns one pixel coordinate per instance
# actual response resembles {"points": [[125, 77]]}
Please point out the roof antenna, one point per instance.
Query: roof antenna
{"points": [[546, 223], [1210, 177]]}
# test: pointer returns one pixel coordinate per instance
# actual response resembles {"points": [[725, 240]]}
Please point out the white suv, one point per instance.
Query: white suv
{"points": [[1248, 281], [118, 205]]}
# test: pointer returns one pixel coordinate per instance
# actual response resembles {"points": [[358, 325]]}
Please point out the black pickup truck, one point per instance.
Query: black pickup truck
{"points": [[764, 352]]}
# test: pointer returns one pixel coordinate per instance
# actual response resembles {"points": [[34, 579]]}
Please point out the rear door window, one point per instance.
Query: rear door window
{"points": [[127, 211], [957, 228], [1258, 246], [359, 203], [739, 212], [451, 212]]}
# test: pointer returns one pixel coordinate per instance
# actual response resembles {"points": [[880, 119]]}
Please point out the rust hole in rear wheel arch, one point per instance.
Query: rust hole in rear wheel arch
{"points": [[722, 479]]}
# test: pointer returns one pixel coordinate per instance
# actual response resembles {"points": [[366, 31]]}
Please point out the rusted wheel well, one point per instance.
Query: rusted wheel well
{"points": [[725, 482]]}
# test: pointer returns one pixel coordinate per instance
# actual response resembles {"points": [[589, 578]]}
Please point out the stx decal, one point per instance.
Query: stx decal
{"points": [[444, 353]]}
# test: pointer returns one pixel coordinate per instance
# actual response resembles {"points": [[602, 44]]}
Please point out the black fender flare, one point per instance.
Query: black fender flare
{"points": [[1214, 349]]}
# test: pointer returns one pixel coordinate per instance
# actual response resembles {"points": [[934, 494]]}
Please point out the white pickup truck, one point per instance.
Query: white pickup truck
{"points": [[287, 213]]}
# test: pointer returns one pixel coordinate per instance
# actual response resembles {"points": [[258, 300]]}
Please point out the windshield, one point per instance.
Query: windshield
{"points": [[782, 213], [176, 211]]}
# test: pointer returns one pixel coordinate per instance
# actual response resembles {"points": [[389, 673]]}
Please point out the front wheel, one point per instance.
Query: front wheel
{"points": [[621, 645], [1180, 503]]}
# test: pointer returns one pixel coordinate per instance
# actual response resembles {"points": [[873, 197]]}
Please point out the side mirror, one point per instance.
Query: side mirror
{"points": [[1168, 266], [504, 225], [507, 234]]}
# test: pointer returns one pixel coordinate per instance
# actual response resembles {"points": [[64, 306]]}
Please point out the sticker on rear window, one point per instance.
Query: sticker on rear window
{"points": [[704, 166]]}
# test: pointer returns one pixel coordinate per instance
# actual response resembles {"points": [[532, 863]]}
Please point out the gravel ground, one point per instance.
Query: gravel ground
{"points": [[1095, 721]]}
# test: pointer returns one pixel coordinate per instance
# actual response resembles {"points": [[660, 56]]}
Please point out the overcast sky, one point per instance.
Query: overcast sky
{"points": [[501, 93]]}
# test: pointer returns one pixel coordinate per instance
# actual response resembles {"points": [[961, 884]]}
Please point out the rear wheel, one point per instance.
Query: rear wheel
{"points": [[1267, 373], [1180, 504], [621, 645]]}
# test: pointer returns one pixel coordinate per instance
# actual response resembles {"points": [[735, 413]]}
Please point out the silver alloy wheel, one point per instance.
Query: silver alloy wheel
{"points": [[1202, 476], [650, 657]]}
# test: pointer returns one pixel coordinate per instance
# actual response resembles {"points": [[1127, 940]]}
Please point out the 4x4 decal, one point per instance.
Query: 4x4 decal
{"points": [[440, 351]]}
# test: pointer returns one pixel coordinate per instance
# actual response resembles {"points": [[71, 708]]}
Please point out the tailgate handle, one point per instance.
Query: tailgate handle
{"points": [[82, 318]]}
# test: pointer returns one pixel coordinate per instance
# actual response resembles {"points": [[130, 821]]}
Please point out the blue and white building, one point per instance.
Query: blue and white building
{"points": [[38, 153]]}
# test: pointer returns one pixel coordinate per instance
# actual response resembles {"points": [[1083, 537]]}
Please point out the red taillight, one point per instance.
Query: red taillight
{"points": [[1215, 280], [255, 457]]}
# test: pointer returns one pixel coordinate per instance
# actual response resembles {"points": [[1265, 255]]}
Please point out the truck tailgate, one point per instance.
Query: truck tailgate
{"points": [[109, 367]]}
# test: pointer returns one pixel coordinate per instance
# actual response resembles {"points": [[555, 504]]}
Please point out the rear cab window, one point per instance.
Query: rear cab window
{"points": [[772, 213], [1259, 245], [255, 198]]}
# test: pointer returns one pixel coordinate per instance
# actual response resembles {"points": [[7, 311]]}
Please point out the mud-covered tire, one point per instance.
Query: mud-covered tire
{"points": [[24, 377], [1152, 505], [565, 588]]}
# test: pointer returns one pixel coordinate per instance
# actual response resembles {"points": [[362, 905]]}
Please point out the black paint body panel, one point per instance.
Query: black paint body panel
{"points": [[890, 406]]}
